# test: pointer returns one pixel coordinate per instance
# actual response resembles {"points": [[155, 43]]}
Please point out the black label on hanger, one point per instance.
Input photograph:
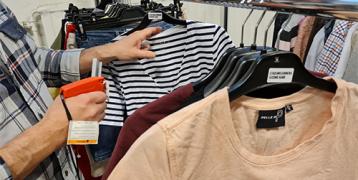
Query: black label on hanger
{"points": [[273, 118]]}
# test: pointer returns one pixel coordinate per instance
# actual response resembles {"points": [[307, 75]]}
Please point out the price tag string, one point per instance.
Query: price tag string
{"points": [[69, 149]]}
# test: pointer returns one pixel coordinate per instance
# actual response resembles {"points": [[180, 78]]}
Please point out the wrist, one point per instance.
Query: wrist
{"points": [[56, 127], [105, 53]]}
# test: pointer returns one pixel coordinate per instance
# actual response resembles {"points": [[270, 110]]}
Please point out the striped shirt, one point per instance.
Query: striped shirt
{"points": [[25, 73], [183, 55]]}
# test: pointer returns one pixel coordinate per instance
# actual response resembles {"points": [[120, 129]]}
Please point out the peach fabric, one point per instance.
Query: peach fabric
{"points": [[304, 33], [217, 139]]}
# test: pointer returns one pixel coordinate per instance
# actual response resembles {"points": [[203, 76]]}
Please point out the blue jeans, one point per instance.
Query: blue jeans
{"points": [[100, 37], [103, 36], [108, 134]]}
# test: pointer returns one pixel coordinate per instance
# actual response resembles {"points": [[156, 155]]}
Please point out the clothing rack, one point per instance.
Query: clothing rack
{"points": [[339, 9]]}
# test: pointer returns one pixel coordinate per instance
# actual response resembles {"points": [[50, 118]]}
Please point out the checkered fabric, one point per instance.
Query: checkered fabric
{"points": [[4, 172], [25, 73], [329, 57]]}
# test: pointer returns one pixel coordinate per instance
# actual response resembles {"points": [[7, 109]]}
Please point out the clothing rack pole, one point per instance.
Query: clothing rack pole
{"points": [[226, 14], [338, 9], [96, 2]]}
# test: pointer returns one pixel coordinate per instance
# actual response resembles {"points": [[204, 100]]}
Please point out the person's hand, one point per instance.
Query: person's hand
{"points": [[84, 107], [128, 48], [24, 153], [132, 46]]}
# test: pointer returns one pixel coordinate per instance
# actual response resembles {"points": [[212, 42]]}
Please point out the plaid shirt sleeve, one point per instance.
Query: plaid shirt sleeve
{"points": [[58, 67], [4, 171]]}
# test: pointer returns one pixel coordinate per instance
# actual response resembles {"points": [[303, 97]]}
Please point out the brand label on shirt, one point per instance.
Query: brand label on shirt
{"points": [[155, 16], [273, 118], [83, 132], [280, 75]]}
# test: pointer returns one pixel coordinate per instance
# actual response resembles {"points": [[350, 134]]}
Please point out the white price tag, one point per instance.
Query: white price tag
{"points": [[83, 132], [155, 16], [280, 75]]}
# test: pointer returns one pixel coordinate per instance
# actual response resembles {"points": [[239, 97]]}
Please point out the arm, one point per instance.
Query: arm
{"points": [[26, 151], [61, 67], [129, 48]]}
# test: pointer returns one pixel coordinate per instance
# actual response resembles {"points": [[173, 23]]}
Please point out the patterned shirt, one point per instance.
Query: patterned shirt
{"points": [[329, 57], [25, 73]]}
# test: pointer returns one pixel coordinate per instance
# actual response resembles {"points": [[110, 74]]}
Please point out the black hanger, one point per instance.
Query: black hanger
{"points": [[244, 63], [257, 76], [215, 71], [240, 68], [216, 79], [257, 81], [126, 16], [102, 5], [114, 10], [165, 17], [225, 71]]}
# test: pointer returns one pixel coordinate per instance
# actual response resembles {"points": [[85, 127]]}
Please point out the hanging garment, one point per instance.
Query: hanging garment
{"points": [[329, 57], [303, 36], [346, 52], [280, 19], [289, 34], [83, 162], [99, 37], [329, 28], [218, 139], [318, 24], [183, 55], [316, 48], [144, 118], [108, 134], [318, 41], [351, 73]]}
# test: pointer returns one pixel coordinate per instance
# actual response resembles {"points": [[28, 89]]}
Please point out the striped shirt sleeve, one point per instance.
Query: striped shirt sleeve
{"points": [[4, 171], [57, 67], [222, 42]]}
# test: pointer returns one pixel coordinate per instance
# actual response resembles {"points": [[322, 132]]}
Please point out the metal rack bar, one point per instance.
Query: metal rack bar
{"points": [[339, 9], [226, 17]]}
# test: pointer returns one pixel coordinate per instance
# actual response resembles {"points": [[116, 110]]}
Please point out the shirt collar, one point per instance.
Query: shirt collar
{"points": [[9, 24]]}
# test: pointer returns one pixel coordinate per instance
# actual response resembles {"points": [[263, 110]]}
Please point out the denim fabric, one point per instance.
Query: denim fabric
{"points": [[100, 37], [162, 25], [106, 141], [108, 134], [103, 36]]}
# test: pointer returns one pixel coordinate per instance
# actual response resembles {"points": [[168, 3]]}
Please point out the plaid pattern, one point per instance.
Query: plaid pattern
{"points": [[4, 172], [329, 57], [25, 73]]}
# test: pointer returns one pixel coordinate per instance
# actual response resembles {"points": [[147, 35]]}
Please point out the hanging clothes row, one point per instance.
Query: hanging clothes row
{"points": [[325, 45], [186, 51], [246, 112]]}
